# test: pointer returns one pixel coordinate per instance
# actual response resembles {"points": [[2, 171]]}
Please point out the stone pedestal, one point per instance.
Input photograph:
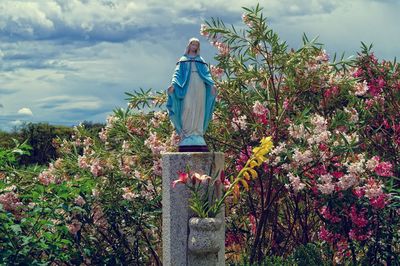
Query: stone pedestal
{"points": [[175, 206]]}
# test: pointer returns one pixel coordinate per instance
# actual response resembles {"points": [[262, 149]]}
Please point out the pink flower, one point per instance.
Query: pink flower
{"points": [[253, 224], [358, 218], [125, 146], [239, 123], [328, 215], [216, 72], [247, 20], [74, 226], [326, 186], [203, 30], [319, 122], [347, 181], [158, 118], [358, 73], [155, 144], [259, 109], [47, 177], [58, 163], [10, 202], [223, 49], [356, 234], [361, 88], [378, 202], [297, 131], [295, 182], [88, 142], [128, 194], [286, 103], [372, 163], [200, 178], [175, 139], [227, 184], [384, 169], [323, 56], [126, 164], [222, 180], [359, 192], [96, 167], [182, 178], [80, 201], [261, 112], [98, 217], [243, 157], [325, 235], [373, 188], [157, 167], [83, 162], [302, 157], [103, 134]]}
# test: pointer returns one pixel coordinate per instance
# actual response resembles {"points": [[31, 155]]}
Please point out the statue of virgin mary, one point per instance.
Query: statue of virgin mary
{"points": [[191, 98]]}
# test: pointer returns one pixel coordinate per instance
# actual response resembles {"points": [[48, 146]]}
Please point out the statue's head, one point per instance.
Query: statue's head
{"points": [[193, 44]]}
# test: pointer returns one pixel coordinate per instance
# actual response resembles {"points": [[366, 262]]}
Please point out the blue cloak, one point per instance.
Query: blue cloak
{"points": [[180, 81]]}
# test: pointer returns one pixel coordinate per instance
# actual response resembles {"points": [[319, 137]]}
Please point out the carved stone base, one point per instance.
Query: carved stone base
{"points": [[176, 212]]}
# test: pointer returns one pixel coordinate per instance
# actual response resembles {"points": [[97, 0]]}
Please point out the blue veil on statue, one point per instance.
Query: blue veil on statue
{"points": [[191, 102]]}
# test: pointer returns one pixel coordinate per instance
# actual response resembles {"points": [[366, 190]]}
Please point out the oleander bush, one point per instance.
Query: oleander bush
{"points": [[328, 191]]}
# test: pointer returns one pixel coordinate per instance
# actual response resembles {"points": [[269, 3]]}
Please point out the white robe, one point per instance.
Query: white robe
{"points": [[194, 105]]}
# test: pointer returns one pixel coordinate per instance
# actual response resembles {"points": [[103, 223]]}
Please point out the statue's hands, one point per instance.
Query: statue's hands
{"points": [[171, 89], [214, 90]]}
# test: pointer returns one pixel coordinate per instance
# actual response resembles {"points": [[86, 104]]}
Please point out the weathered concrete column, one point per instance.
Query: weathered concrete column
{"points": [[175, 206]]}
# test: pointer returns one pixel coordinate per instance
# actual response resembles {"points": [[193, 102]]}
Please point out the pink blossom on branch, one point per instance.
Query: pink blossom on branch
{"points": [[295, 182], [157, 167], [74, 226], [246, 19], [10, 202], [96, 167], [384, 169], [216, 72], [80, 201], [239, 123], [223, 48], [361, 88], [203, 30], [358, 218], [129, 194], [379, 202], [155, 144], [47, 177], [326, 186]]}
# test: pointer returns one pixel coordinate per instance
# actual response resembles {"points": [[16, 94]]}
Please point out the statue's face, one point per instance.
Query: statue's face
{"points": [[193, 47]]}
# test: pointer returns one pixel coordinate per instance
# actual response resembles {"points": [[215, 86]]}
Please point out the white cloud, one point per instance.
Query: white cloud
{"points": [[65, 103], [83, 20], [16, 123], [25, 112]]}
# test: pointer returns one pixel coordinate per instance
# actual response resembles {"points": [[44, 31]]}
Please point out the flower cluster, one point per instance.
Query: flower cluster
{"points": [[200, 201]]}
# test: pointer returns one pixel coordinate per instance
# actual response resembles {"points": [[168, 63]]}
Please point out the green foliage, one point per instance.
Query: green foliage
{"points": [[9, 157], [269, 261], [98, 203], [40, 137], [308, 255]]}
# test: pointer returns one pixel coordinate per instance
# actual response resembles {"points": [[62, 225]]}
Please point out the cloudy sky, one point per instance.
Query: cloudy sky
{"points": [[66, 61]]}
